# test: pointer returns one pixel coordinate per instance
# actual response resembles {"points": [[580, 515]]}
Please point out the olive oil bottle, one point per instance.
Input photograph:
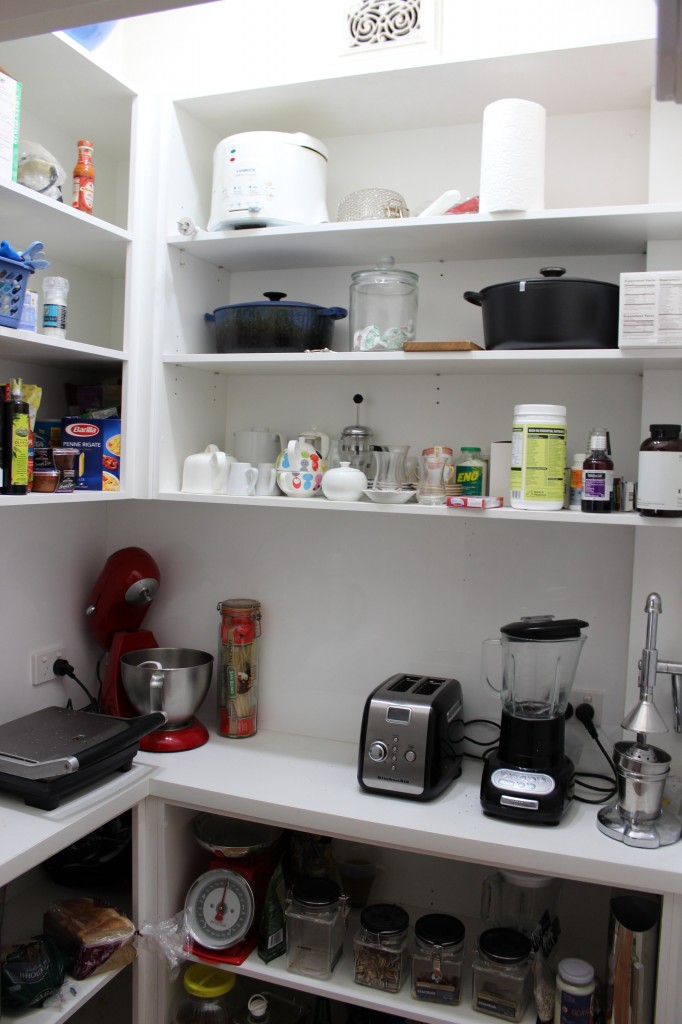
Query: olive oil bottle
{"points": [[15, 430]]}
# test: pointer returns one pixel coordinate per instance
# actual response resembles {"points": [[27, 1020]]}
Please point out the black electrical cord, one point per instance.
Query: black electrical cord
{"points": [[489, 745], [585, 715], [61, 667]]}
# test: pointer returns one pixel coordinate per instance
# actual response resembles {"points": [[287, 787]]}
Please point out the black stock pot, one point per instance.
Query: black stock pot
{"points": [[549, 312]]}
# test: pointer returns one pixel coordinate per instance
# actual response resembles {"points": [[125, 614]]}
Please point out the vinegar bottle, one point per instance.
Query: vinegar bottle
{"points": [[84, 178], [15, 424], [597, 475]]}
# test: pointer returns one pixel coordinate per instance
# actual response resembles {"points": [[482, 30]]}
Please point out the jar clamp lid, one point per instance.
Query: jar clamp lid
{"points": [[439, 930], [384, 919], [316, 893], [504, 946]]}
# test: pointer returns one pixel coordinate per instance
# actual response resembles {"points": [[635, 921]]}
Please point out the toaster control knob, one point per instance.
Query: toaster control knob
{"points": [[378, 751], [410, 755]]}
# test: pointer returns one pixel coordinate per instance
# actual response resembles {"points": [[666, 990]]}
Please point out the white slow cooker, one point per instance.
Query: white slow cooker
{"points": [[268, 178]]}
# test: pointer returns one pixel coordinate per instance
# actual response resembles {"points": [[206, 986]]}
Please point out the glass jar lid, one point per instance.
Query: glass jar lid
{"points": [[384, 919], [208, 982], [439, 930], [316, 893], [504, 945], [385, 272]]}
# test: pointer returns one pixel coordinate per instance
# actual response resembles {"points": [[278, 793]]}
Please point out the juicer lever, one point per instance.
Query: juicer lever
{"points": [[650, 666]]}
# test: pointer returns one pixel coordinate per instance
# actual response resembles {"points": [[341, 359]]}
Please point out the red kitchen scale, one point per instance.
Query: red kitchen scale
{"points": [[223, 905], [119, 601]]}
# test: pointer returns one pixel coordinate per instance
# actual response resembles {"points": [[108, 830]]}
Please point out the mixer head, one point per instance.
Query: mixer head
{"points": [[122, 594]]}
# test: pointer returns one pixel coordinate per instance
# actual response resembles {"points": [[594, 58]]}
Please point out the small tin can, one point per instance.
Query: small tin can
{"points": [[238, 667]]}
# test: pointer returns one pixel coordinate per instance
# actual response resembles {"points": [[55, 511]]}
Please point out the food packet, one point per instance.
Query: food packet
{"points": [[31, 972]]}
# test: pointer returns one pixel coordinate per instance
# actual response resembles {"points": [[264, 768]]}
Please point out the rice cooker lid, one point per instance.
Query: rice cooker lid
{"points": [[278, 139]]}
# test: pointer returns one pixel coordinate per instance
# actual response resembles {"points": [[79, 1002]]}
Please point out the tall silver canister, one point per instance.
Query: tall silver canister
{"points": [[632, 958]]}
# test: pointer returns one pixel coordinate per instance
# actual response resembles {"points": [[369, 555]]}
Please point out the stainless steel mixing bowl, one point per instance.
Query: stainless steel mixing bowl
{"points": [[174, 680]]}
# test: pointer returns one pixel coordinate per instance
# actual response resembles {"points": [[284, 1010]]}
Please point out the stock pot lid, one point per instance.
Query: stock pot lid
{"points": [[548, 276]]}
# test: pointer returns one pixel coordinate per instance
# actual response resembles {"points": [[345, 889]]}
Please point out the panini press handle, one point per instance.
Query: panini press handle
{"points": [[136, 729]]}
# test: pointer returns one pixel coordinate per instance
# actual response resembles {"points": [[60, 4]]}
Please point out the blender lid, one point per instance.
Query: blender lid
{"points": [[544, 627]]}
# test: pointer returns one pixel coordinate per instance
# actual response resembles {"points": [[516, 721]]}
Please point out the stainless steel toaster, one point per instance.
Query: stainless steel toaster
{"points": [[410, 741]]}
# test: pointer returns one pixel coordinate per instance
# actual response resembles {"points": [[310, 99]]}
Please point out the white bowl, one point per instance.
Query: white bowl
{"points": [[397, 497]]}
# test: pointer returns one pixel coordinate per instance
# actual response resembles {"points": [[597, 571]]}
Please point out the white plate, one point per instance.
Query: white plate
{"points": [[389, 497]]}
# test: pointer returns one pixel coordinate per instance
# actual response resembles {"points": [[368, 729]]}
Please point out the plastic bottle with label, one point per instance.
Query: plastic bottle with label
{"points": [[576, 482], [574, 992], [538, 457], [597, 474], [471, 472], [83, 197], [55, 294], [659, 473]]}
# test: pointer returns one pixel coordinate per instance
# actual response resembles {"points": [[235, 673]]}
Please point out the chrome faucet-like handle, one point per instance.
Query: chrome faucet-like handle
{"points": [[649, 666]]}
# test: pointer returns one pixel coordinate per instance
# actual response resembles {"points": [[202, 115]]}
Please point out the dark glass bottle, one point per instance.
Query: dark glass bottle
{"points": [[659, 475], [597, 474], [15, 430]]}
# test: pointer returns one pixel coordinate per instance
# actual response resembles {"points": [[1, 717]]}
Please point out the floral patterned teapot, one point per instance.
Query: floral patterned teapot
{"points": [[300, 469]]}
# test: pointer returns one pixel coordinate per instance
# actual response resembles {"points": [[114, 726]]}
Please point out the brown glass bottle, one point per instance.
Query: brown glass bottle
{"points": [[659, 474], [597, 475]]}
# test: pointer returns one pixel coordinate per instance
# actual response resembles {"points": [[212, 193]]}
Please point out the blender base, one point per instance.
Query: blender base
{"points": [[662, 831]]}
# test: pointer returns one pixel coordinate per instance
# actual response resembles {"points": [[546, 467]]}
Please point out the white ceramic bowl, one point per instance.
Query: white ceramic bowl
{"points": [[389, 497]]}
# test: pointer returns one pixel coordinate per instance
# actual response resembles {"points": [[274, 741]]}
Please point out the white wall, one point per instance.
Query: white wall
{"points": [[232, 45]]}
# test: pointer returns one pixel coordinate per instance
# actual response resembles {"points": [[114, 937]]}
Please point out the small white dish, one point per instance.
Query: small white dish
{"points": [[398, 497]]}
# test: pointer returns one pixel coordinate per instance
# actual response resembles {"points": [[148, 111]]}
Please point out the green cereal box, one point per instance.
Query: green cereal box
{"points": [[99, 444]]}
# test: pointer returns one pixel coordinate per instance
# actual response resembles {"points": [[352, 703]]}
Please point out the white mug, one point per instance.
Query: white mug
{"points": [[267, 479], [257, 445], [241, 479]]}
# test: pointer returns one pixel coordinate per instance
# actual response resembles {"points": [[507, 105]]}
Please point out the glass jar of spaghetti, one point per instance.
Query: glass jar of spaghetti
{"points": [[238, 667]]}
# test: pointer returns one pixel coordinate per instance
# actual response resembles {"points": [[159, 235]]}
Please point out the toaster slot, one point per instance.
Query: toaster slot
{"points": [[428, 686], [403, 684]]}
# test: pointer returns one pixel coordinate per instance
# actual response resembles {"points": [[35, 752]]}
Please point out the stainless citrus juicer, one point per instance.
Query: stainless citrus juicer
{"points": [[638, 818]]}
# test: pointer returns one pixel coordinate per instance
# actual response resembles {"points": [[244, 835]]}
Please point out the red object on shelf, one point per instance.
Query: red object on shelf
{"points": [[467, 206]]}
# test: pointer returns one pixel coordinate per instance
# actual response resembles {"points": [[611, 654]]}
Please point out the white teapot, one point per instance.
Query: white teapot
{"points": [[206, 472]]}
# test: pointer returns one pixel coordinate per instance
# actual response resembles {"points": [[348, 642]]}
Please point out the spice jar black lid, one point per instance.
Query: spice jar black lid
{"points": [[384, 918], [504, 945], [439, 930], [315, 892]]}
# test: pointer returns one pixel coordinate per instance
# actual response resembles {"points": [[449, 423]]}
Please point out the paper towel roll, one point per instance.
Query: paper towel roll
{"points": [[513, 157]]}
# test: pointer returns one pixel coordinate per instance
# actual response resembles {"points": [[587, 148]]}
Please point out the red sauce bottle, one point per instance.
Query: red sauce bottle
{"points": [[84, 178]]}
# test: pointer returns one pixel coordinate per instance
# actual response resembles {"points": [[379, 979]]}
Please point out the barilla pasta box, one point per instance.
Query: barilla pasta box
{"points": [[99, 444]]}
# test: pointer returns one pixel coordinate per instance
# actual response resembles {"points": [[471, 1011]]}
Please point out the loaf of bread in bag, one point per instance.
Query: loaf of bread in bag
{"points": [[95, 936]]}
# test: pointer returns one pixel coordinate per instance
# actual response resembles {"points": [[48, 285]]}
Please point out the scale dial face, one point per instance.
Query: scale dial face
{"points": [[219, 908]]}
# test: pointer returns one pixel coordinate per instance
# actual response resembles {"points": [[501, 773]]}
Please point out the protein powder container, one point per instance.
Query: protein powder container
{"points": [[538, 457], [574, 992], [659, 473]]}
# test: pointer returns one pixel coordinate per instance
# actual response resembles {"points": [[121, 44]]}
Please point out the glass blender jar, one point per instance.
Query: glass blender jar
{"points": [[529, 777]]}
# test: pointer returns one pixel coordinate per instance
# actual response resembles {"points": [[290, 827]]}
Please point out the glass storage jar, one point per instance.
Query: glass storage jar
{"points": [[501, 979], [316, 923], [437, 958], [383, 307], [381, 947], [240, 630], [209, 996]]}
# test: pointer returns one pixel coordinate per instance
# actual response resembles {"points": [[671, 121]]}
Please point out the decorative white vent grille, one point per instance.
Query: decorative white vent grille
{"points": [[383, 23]]}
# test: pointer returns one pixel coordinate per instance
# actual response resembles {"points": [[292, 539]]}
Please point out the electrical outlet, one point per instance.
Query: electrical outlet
{"points": [[595, 698], [41, 664]]}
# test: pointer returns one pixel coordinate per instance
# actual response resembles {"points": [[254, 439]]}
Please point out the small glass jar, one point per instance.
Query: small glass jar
{"points": [[316, 924], [501, 978], [381, 947], [383, 307], [210, 996], [437, 958]]}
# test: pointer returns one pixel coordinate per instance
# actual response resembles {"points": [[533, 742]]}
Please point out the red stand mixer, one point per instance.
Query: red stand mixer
{"points": [[118, 604]]}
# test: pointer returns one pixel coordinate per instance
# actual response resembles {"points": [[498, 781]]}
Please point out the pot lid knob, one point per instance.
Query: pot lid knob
{"points": [[275, 296], [553, 271]]}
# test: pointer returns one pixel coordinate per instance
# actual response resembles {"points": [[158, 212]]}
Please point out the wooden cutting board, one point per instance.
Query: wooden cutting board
{"points": [[441, 346]]}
